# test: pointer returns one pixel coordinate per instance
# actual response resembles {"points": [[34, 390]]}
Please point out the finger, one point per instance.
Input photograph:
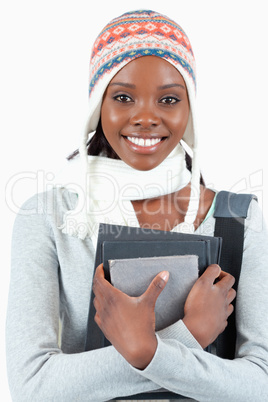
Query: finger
{"points": [[230, 310], [96, 303], [156, 287], [226, 280], [99, 271], [224, 274], [211, 273], [231, 295], [100, 284], [97, 320]]}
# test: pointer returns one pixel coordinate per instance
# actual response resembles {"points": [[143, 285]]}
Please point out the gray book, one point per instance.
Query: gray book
{"points": [[133, 276]]}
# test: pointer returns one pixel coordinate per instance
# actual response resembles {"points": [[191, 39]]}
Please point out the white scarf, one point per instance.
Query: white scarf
{"points": [[111, 185]]}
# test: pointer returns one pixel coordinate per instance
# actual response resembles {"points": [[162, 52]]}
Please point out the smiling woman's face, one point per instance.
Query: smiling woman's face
{"points": [[145, 111]]}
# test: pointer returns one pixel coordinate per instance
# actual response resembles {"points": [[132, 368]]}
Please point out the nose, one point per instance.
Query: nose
{"points": [[145, 117]]}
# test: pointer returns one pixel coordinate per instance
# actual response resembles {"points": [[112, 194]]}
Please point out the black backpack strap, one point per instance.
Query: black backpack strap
{"points": [[230, 213]]}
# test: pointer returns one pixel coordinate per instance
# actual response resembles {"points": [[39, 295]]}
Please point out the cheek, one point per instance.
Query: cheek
{"points": [[111, 117], [112, 123], [105, 116], [178, 121]]}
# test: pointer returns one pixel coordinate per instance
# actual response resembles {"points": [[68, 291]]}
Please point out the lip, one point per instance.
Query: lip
{"points": [[144, 149]]}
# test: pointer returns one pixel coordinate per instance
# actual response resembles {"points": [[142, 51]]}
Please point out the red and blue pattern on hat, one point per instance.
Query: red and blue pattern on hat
{"points": [[136, 34]]}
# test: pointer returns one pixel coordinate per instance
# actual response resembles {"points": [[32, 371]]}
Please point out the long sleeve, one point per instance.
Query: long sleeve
{"points": [[51, 281], [39, 368], [190, 371]]}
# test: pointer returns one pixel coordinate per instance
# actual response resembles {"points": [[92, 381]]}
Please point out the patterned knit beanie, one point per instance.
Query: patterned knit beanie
{"points": [[132, 35]]}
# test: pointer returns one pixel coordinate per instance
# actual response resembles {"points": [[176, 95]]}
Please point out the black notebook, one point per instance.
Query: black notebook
{"points": [[117, 242]]}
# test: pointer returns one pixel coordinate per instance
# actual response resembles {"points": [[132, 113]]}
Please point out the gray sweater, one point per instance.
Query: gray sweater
{"points": [[51, 278]]}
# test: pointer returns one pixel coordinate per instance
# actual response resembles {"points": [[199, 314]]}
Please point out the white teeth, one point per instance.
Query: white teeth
{"points": [[148, 142], [144, 143]]}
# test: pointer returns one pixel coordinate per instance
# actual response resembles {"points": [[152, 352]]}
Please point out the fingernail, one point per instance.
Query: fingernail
{"points": [[164, 275]]}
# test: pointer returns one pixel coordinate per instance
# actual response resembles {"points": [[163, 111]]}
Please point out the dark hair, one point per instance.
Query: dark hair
{"points": [[98, 144]]}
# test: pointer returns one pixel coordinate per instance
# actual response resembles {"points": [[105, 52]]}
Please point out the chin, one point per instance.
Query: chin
{"points": [[144, 166]]}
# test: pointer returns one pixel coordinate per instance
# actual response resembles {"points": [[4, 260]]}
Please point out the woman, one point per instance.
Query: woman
{"points": [[142, 107]]}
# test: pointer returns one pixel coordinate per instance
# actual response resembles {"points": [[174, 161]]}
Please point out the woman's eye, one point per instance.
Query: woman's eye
{"points": [[169, 100], [123, 98]]}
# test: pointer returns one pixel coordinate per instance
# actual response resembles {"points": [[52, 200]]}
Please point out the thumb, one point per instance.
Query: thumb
{"points": [[155, 288], [211, 273]]}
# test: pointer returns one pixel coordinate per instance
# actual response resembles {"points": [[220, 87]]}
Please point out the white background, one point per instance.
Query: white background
{"points": [[45, 49]]}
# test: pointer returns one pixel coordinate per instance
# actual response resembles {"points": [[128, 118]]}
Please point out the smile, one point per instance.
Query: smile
{"points": [[147, 142]]}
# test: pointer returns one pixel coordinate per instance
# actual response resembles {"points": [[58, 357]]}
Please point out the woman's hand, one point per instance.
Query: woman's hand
{"points": [[128, 322], [208, 305]]}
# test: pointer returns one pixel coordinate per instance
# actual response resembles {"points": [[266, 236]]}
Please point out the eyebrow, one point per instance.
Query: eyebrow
{"points": [[132, 86], [171, 86], [123, 84]]}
